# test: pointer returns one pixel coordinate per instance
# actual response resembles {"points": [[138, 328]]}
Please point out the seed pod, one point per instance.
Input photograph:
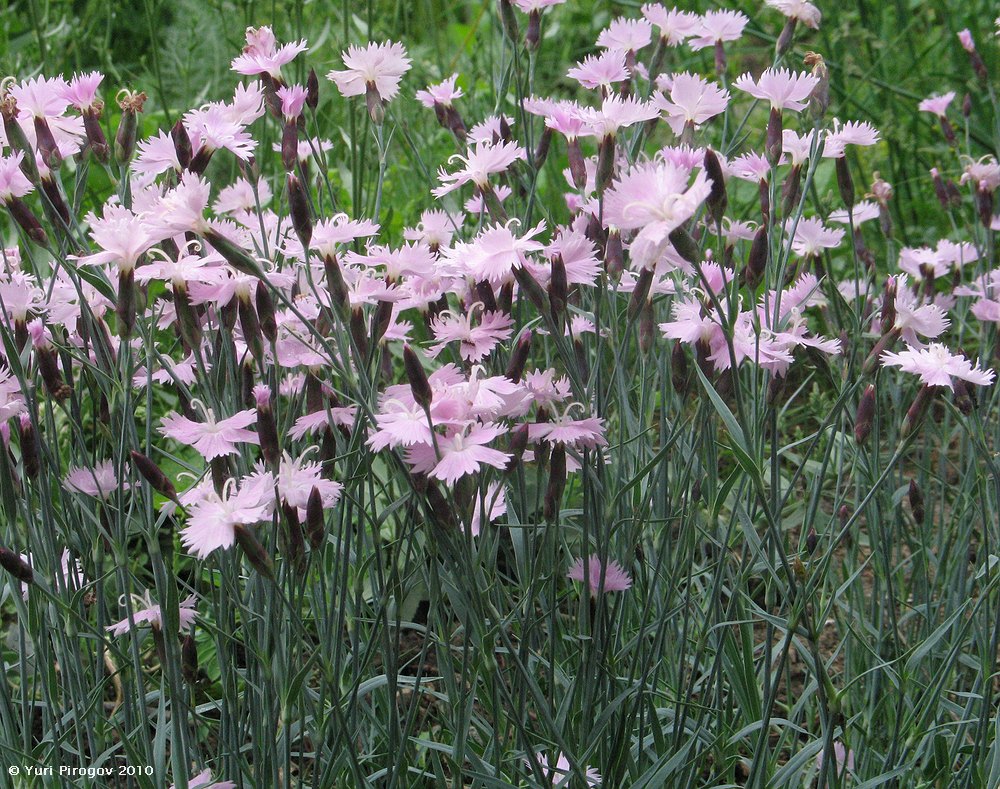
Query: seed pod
{"points": [[255, 552], [557, 483], [417, 376], [819, 99], [518, 356], [718, 198], [131, 104], [16, 566], [916, 499], [298, 207], [865, 415], [154, 475]]}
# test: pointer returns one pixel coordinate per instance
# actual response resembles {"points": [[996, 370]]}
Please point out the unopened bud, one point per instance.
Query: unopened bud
{"points": [[189, 659], [916, 499], [254, 551], [298, 207], [131, 104], [916, 411], [640, 292], [811, 540], [29, 447], [845, 182], [265, 312], [315, 520], [154, 475], [312, 90], [757, 259], [718, 198], [417, 376], [865, 415], [679, 368], [182, 144], [558, 290], [16, 566], [577, 165], [557, 483], [267, 429], [519, 356]]}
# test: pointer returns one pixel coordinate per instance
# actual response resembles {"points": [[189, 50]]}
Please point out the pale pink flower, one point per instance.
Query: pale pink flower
{"points": [[212, 438], [798, 147], [812, 237], [496, 505], [587, 433], [616, 113], [121, 235], [480, 162], [203, 780], [559, 772], [529, 6], [675, 26], [626, 35], [784, 89], [181, 209], [329, 235], [799, 10], [913, 317], [240, 196], [81, 92], [293, 99], [937, 104], [851, 133], [751, 167], [612, 574], [937, 366], [843, 757], [600, 71], [214, 127], [13, 182], [296, 479], [262, 55], [984, 174], [966, 40], [441, 94], [155, 155], [149, 613], [461, 453], [693, 100], [863, 211], [477, 342], [381, 65], [495, 252], [212, 520], [718, 26], [100, 481]]}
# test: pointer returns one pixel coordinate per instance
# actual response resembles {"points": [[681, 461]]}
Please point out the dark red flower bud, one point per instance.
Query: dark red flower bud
{"points": [[16, 566], [298, 207], [557, 483], [865, 415], [916, 499], [255, 552], [519, 356], [182, 144], [312, 90], [154, 475], [417, 376], [640, 292], [718, 198]]}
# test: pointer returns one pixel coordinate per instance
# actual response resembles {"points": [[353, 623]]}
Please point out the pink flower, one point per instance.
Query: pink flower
{"points": [[965, 39], [212, 520], [151, 614], [626, 35], [296, 479], [843, 757], [717, 27], [937, 104], [496, 505], [600, 71], [798, 147], [461, 453], [937, 366], [850, 133], [675, 26], [381, 65], [587, 433], [495, 252], [799, 10], [477, 342], [293, 99], [13, 182], [693, 100], [812, 237], [613, 575], [655, 199], [121, 235], [100, 481], [182, 209], [203, 780], [262, 55], [480, 162], [528, 6], [786, 90], [616, 113], [81, 92], [913, 317], [441, 94], [558, 771], [212, 438]]}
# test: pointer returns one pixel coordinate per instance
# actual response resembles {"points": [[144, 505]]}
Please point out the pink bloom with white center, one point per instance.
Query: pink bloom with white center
{"points": [[214, 127], [913, 317], [610, 576], [798, 147], [329, 235], [937, 104], [212, 438], [937, 366], [851, 133], [675, 26], [626, 35], [751, 167], [655, 199], [496, 505], [13, 182], [480, 162], [560, 116], [296, 479], [600, 71], [203, 780], [477, 342], [716, 27], [693, 100], [559, 772], [984, 174], [100, 481], [381, 65], [461, 453], [784, 89], [799, 10], [495, 252], [240, 196], [587, 433], [41, 97], [441, 94], [156, 155], [528, 6], [182, 209], [293, 99], [436, 229], [81, 92], [616, 113], [149, 613], [212, 519], [400, 424], [812, 237], [864, 211], [121, 235], [262, 55]]}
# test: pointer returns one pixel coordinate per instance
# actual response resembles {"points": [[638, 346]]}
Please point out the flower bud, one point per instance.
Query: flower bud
{"points": [[773, 143], [265, 312], [542, 149], [298, 207], [29, 447], [518, 356], [359, 330], [785, 39], [557, 483], [679, 368], [335, 282], [152, 473], [916, 499], [312, 90], [295, 545], [577, 165], [417, 376], [27, 221], [685, 245], [605, 162], [16, 566], [518, 444], [508, 20], [290, 144], [315, 520], [267, 430], [182, 144], [189, 659], [484, 292], [640, 292], [131, 104], [757, 259], [255, 552], [845, 182], [534, 34], [916, 411], [718, 198], [811, 540], [558, 290], [530, 288], [865, 415]]}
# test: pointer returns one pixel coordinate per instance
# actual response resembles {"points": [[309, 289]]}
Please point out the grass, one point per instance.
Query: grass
{"points": [[790, 593]]}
